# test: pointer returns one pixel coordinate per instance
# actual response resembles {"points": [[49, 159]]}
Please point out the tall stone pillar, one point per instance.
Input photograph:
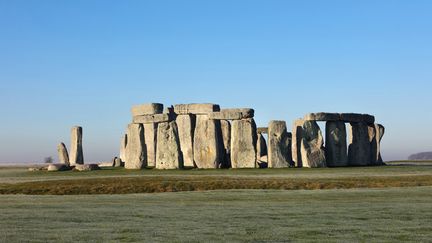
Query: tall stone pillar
{"points": [[136, 157], [186, 127], [150, 135], [243, 143], [279, 149], [336, 144], [312, 149], [168, 155], [207, 144], [123, 144], [359, 150], [226, 137], [297, 133], [76, 152], [261, 146], [63, 154]]}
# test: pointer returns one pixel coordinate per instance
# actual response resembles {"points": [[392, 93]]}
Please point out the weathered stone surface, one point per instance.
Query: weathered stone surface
{"points": [[312, 150], [87, 167], [150, 138], [136, 157], [168, 154], [279, 147], [261, 146], [226, 138], [123, 144], [297, 133], [376, 132], [76, 152], [147, 109], [199, 109], [117, 162], [106, 164], [262, 130], [336, 144], [63, 154], [232, 114], [354, 118], [380, 128], [156, 118], [322, 116], [58, 167], [243, 144], [359, 150], [169, 110], [207, 144], [186, 127]]}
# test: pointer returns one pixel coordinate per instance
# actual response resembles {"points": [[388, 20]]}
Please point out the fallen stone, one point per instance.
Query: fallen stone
{"points": [[261, 146], [198, 109], [297, 133], [186, 127], [150, 140], [279, 147], [156, 118], [312, 150], [359, 150], [354, 118], [243, 144], [168, 154], [322, 116], [76, 152], [63, 154], [147, 109], [336, 144], [86, 167], [207, 144], [123, 144], [232, 114], [37, 168], [106, 164], [262, 130], [226, 138], [58, 167], [136, 157]]}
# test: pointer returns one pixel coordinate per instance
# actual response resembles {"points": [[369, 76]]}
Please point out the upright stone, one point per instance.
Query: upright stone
{"points": [[243, 144], [76, 153], [261, 146], [123, 144], [297, 133], [186, 126], [312, 150], [63, 154], [207, 144], [135, 150], [381, 130], [150, 138], [359, 150], [226, 138], [377, 131], [336, 144], [279, 149], [168, 155]]}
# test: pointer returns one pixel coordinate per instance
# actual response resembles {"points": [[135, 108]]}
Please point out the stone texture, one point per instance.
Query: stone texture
{"points": [[87, 167], [359, 150], [118, 162], [186, 127], [354, 118], [147, 109], [63, 154], [156, 118], [207, 144], [106, 164], [381, 129], [261, 146], [226, 138], [76, 155], [279, 147], [150, 138], [168, 154], [322, 116], [136, 157], [123, 144], [199, 109], [58, 167], [243, 144], [262, 130], [336, 144], [297, 133], [376, 132], [232, 114], [312, 150]]}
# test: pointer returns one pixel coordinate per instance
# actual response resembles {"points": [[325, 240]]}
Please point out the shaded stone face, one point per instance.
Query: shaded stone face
{"points": [[377, 131], [198, 109], [232, 114], [359, 150], [243, 144], [312, 150], [322, 116], [156, 118], [123, 144], [150, 136], [186, 127], [63, 154], [147, 109], [168, 155], [207, 144], [279, 149], [336, 144], [381, 130], [261, 146], [76, 153], [136, 157], [226, 138], [297, 134], [355, 118]]}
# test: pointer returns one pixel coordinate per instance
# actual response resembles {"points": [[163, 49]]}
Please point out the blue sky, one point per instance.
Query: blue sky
{"points": [[65, 63]]}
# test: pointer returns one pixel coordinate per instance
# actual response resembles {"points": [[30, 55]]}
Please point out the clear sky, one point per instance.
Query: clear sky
{"points": [[65, 63]]}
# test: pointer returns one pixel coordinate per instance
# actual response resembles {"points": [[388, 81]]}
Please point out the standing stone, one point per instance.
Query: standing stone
{"points": [[336, 144], [123, 144], [297, 133], [63, 154], [279, 149], [76, 153], [186, 127], [150, 138], [207, 147], [380, 128], [168, 155], [261, 146], [377, 131], [359, 150], [226, 138], [312, 150], [136, 157], [243, 144], [117, 162]]}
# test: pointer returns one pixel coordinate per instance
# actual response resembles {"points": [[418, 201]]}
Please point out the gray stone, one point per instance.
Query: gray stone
{"points": [[168, 154], [169, 110], [336, 144], [226, 138], [58, 167], [312, 150], [136, 157], [279, 147], [232, 114], [355, 118], [106, 164], [117, 162], [243, 144], [186, 127], [63, 154], [147, 109], [123, 144], [262, 130], [86, 167], [207, 144], [261, 146], [297, 133], [322, 116], [150, 138], [359, 150], [156, 118], [376, 132], [380, 128], [199, 109], [76, 152]]}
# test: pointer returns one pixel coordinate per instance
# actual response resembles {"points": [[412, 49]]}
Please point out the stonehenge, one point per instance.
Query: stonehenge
{"points": [[243, 143], [76, 151], [279, 148], [63, 154], [136, 156], [168, 155]]}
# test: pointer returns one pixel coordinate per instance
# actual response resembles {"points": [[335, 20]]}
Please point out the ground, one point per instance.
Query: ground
{"points": [[374, 208]]}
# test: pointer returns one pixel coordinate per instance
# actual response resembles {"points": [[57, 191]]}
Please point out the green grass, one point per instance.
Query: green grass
{"points": [[354, 215]]}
